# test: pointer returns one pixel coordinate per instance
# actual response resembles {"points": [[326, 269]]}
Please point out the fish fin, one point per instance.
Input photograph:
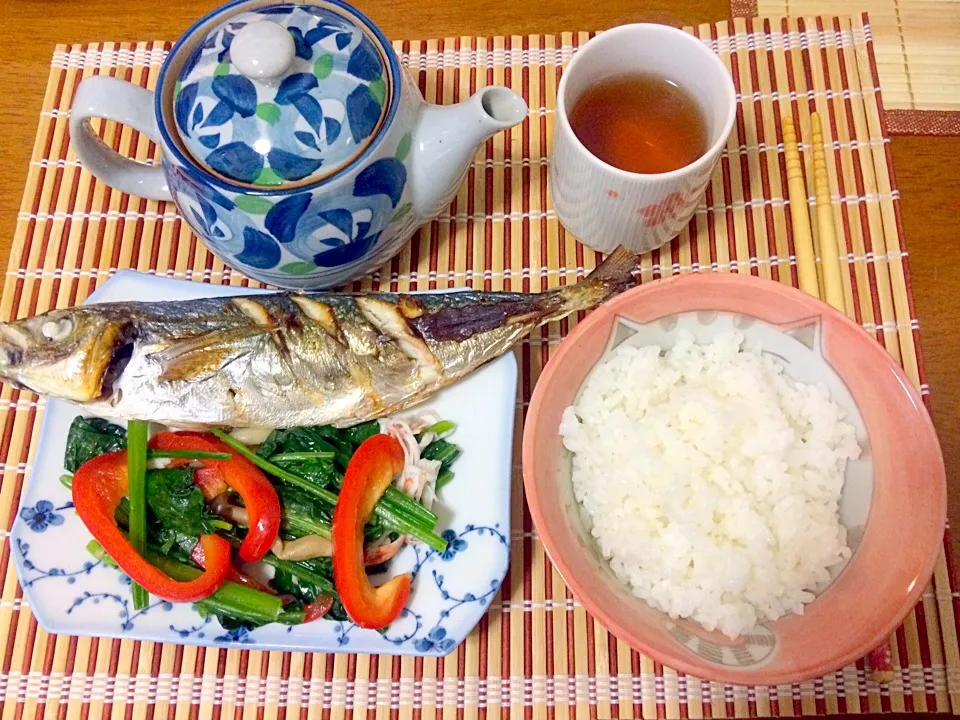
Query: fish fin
{"points": [[199, 357], [617, 268], [611, 277]]}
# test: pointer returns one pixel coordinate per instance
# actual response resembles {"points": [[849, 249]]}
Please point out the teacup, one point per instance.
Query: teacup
{"points": [[604, 206], [291, 140]]}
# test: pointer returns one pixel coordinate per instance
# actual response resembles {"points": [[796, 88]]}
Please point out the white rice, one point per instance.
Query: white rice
{"points": [[711, 480]]}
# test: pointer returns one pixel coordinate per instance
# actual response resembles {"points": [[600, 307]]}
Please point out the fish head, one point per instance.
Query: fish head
{"points": [[73, 354]]}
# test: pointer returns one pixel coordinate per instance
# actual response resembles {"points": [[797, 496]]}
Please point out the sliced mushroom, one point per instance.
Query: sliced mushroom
{"points": [[304, 548], [222, 506]]}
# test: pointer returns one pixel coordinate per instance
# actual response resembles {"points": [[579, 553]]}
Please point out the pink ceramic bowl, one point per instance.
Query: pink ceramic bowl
{"points": [[894, 498]]}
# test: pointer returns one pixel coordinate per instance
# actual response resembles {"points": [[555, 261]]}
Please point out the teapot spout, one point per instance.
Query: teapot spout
{"points": [[446, 138]]}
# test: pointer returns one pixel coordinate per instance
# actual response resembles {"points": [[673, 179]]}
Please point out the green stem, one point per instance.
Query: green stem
{"points": [[404, 505], [288, 616], [398, 511], [187, 454], [137, 480], [443, 450], [409, 506], [443, 478], [301, 456], [276, 470], [404, 527], [303, 525], [442, 427], [67, 481], [231, 599], [300, 570]]}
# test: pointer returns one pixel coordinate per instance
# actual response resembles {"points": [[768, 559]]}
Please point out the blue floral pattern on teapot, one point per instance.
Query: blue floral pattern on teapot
{"points": [[283, 240], [304, 161]]}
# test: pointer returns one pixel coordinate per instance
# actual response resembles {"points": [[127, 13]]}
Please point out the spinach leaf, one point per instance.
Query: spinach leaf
{"points": [[299, 580], [298, 439], [304, 579], [304, 514], [373, 529], [178, 504], [443, 450], [321, 566], [336, 612], [122, 513], [89, 437], [272, 445], [317, 438], [321, 472], [288, 583], [172, 543], [357, 434], [165, 540]]}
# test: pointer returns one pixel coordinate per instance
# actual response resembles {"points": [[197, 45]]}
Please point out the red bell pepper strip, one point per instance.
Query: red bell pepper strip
{"points": [[259, 496], [369, 473], [98, 487]]}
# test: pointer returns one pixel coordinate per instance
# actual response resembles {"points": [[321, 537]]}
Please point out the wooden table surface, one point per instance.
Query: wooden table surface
{"points": [[928, 169]]}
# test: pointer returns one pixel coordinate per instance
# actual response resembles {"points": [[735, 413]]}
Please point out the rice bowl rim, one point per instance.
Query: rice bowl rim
{"points": [[782, 306]]}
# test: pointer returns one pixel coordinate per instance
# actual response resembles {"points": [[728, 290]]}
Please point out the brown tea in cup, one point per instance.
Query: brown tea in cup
{"points": [[641, 123]]}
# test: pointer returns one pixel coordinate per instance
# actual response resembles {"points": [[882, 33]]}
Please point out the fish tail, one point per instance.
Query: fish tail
{"points": [[611, 277]]}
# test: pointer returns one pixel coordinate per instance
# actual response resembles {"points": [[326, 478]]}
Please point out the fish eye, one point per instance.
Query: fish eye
{"points": [[56, 330]]}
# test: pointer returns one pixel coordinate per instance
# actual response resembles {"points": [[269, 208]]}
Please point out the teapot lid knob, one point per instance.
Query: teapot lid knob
{"points": [[282, 94], [262, 50]]}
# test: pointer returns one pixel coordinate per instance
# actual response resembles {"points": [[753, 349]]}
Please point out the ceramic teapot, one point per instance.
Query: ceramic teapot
{"points": [[291, 140]]}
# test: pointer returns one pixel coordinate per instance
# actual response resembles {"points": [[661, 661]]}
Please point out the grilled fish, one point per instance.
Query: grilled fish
{"points": [[279, 360]]}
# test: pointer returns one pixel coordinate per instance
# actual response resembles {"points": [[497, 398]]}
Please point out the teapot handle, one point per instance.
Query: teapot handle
{"points": [[113, 99]]}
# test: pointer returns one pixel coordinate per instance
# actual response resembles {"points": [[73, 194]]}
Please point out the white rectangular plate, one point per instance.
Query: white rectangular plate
{"points": [[71, 593]]}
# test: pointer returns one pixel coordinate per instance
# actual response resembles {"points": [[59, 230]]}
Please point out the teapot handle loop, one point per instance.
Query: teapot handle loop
{"points": [[112, 99]]}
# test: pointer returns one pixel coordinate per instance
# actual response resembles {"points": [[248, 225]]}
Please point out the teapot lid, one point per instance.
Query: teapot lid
{"points": [[282, 95]]}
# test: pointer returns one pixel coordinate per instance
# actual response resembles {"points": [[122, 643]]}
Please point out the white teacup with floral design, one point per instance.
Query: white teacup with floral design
{"points": [[604, 206]]}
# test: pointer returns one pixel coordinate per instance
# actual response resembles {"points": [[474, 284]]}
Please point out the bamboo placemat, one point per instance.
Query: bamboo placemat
{"points": [[537, 653], [917, 50]]}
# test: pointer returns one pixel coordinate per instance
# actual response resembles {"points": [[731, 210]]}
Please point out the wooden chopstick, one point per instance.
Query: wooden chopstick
{"points": [[879, 663], [831, 287], [827, 232], [799, 214]]}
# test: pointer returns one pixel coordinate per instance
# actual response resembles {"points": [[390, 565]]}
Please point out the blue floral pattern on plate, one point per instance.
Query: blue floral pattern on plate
{"points": [[487, 542], [314, 120], [72, 593], [43, 515]]}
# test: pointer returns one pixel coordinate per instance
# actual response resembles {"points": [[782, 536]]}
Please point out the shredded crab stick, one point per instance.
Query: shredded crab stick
{"points": [[370, 472], [419, 475]]}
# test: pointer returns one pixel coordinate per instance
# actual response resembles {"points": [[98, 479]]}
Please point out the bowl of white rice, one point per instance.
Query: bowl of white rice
{"points": [[734, 478]]}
